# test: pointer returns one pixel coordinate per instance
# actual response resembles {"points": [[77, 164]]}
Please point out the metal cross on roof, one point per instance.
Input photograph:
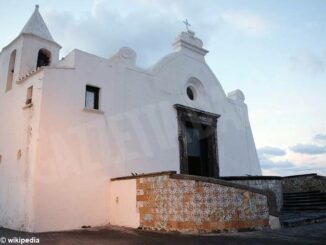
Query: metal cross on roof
{"points": [[187, 24]]}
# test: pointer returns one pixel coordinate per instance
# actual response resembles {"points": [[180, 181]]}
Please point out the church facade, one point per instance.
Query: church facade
{"points": [[70, 125]]}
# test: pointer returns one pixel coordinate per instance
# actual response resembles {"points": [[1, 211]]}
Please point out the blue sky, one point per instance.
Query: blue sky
{"points": [[273, 50]]}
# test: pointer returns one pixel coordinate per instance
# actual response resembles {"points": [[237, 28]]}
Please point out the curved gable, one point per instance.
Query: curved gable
{"points": [[178, 70]]}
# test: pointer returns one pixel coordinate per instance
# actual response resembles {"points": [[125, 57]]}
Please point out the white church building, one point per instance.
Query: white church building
{"points": [[69, 125]]}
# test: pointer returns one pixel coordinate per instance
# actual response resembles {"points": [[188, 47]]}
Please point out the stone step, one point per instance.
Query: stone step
{"points": [[308, 208], [302, 194], [305, 196], [309, 200], [307, 204], [302, 220], [298, 193], [304, 201]]}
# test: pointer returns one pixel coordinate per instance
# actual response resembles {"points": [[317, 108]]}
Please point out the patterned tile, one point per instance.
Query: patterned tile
{"points": [[188, 205]]}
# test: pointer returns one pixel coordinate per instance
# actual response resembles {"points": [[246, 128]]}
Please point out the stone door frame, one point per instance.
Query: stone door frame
{"points": [[194, 116]]}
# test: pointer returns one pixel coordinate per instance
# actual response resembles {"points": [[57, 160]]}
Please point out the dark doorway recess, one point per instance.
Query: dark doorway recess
{"points": [[197, 142]]}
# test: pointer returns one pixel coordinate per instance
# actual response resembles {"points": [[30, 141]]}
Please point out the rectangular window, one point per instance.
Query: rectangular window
{"points": [[29, 95], [92, 97]]}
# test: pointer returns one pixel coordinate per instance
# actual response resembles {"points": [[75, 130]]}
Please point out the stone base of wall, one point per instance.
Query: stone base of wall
{"points": [[184, 203], [208, 227]]}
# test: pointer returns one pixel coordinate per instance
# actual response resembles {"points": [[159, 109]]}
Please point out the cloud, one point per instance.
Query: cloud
{"points": [[307, 63], [274, 167], [292, 170], [287, 167], [271, 151], [247, 22], [275, 161], [148, 27], [320, 137], [107, 28], [309, 149], [269, 164]]}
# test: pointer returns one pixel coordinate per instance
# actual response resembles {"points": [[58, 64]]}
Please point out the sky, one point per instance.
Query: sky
{"points": [[273, 50]]}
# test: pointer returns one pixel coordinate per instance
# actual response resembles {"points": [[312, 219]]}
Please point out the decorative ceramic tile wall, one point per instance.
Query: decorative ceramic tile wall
{"points": [[186, 205], [274, 185]]}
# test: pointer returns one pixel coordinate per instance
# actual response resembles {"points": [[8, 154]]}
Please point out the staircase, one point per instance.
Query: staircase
{"points": [[304, 201], [302, 208]]}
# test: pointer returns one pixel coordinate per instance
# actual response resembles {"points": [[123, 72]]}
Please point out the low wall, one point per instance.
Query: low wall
{"points": [[172, 202], [303, 183], [272, 183]]}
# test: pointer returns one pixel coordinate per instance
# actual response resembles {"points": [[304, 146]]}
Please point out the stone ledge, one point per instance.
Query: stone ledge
{"points": [[299, 175], [144, 175], [251, 178], [174, 175], [96, 111]]}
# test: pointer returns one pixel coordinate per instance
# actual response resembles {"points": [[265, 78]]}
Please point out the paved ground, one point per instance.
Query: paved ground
{"points": [[309, 234]]}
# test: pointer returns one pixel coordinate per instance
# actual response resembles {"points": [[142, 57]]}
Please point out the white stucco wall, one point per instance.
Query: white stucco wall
{"points": [[73, 153], [19, 130], [137, 131], [123, 203]]}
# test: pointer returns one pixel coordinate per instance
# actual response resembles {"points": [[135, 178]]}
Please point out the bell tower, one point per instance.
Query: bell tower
{"points": [[38, 45], [33, 48]]}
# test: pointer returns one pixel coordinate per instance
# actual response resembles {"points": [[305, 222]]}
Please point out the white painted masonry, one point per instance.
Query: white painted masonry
{"points": [[69, 154], [123, 204]]}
